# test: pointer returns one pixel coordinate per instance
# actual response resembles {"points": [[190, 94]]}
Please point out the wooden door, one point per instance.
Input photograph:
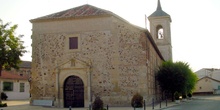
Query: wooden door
{"points": [[73, 92]]}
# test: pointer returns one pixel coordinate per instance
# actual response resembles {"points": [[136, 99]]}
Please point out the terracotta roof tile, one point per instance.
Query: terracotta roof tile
{"points": [[10, 75], [80, 11]]}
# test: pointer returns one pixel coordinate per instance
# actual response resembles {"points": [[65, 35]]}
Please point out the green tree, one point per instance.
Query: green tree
{"points": [[191, 78], [191, 82], [11, 47], [175, 77]]}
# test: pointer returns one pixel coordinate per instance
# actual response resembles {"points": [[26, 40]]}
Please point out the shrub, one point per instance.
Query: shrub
{"points": [[176, 96], [97, 104], [184, 96], [189, 95], [137, 101], [3, 105], [4, 96]]}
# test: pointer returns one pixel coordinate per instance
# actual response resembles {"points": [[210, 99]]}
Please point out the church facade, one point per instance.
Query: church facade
{"points": [[84, 52]]}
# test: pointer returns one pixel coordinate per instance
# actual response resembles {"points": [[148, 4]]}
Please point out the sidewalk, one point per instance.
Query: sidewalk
{"points": [[24, 105]]}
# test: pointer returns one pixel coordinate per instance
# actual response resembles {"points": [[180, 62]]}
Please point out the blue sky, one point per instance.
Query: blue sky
{"points": [[194, 28]]}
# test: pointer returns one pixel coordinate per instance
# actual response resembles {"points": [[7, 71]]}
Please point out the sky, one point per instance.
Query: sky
{"points": [[195, 24]]}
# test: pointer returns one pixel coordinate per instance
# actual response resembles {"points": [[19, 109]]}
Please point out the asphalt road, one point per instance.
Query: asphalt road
{"points": [[199, 103]]}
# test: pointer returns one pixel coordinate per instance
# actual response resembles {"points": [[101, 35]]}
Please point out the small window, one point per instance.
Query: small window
{"points": [[7, 86], [21, 87], [73, 42], [218, 87]]}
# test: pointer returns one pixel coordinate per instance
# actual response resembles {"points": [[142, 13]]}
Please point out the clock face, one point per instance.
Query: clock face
{"points": [[160, 34]]}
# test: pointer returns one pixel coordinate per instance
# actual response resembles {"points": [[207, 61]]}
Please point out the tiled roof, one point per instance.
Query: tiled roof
{"points": [[25, 64], [10, 75], [80, 11], [209, 78], [159, 12]]}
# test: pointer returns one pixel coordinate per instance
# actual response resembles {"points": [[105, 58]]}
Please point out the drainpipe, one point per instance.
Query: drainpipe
{"points": [[90, 83], [58, 86]]}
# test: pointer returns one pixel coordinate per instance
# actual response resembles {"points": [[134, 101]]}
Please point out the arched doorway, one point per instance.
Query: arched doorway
{"points": [[73, 92]]}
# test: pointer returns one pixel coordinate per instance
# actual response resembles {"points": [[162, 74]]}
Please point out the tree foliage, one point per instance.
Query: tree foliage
{"points": [[176, 77], [11, 47]]}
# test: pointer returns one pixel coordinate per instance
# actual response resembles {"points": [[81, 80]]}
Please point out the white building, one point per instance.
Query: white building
{"points": [[209, 81], [211, 72], [15, 83], [15, 86]]}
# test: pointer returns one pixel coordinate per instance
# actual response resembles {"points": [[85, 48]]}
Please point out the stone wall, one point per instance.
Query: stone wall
{"points": [[123, 60]]}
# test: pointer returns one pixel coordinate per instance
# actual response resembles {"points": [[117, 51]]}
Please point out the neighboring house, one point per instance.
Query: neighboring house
{"points": [[25, 68], [84, 52], [211, 72], [208, 82], [207, 85], [15, 82]]}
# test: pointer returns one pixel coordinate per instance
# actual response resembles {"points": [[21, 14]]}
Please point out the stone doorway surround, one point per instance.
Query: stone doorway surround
{"points": [[73, 67]]}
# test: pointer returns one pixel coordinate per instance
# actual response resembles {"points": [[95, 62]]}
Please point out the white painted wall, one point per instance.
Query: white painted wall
{"points": [[207, 85], [215, 87], [16, 94], [204, 85]]}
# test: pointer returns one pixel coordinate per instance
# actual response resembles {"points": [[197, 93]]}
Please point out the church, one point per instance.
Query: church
{"points": [[85, 52]]}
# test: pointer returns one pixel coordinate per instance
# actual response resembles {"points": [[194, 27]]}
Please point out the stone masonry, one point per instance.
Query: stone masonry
{"points": [[115, 59]]}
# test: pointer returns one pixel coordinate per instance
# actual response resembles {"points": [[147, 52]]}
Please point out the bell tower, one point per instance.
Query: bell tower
{"points": [[161, 32]]}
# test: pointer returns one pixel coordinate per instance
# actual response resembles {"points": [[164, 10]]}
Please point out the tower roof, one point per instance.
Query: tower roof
{"points": [[159, 12]]}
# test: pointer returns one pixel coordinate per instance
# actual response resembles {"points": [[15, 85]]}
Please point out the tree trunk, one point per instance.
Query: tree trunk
{"points": [[0, 70]]}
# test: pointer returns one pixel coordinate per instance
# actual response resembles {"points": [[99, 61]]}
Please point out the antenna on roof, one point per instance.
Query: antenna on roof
{"points": [[145, 21]]}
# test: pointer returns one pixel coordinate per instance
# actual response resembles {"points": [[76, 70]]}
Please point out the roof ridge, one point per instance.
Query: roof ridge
{"points": [[209, 78]]}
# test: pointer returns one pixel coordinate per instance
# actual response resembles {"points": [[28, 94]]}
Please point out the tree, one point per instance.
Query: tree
{"points": [[11, 47], [176, 77], [191, 78], [191, 82]]}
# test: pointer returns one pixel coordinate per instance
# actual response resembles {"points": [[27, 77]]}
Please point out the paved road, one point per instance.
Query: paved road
{"points": [[24, 105], [199, 103]]}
